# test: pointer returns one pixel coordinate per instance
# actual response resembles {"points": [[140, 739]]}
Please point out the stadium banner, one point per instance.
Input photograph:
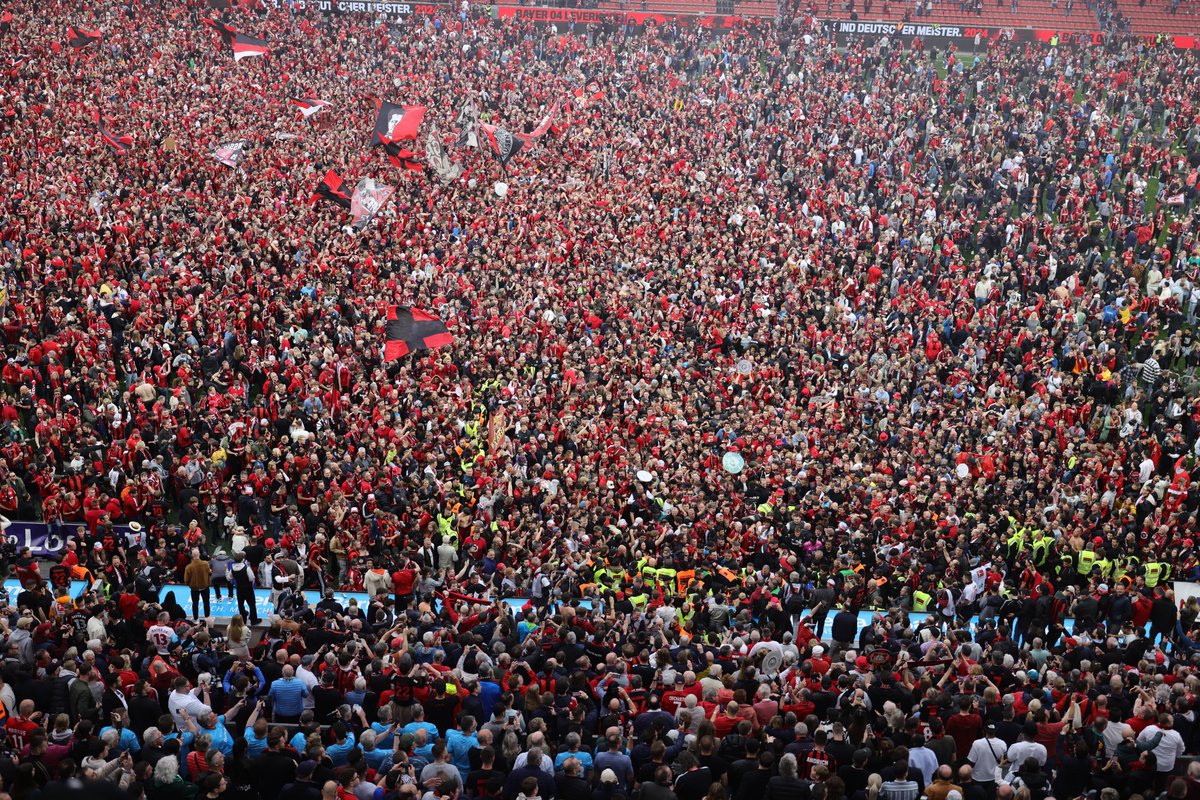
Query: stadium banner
{"points": [[584, 16], [44, 540], [226, 606], [971, 35], [365, 7], [961, 35], [1185, 590]]}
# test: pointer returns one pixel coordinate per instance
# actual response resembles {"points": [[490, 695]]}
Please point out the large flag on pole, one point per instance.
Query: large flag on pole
{"points": [[245, 46], [468, 122], [546, 122], [400, 156], [439, 162], [410, 329], [225, 29], [503, 144], [330, 188], [396, 123], [367, 200], [308, 105]]}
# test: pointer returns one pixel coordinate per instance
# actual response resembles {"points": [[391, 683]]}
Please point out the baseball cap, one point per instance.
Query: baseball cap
{"points": [[608, 776], [305, 768]]}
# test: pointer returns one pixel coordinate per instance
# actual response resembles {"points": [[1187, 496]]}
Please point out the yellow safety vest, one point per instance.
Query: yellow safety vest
{"points": [[1154, 573], [650, 576], [1086, 559], [1017, 540], [921, 601], [1040, 550]]}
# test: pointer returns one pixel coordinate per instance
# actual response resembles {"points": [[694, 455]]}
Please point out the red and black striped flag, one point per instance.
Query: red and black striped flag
{"points": [[410, 329], [330, 188], [396, 123], [226, 30], [78, 37], [308, 105], [400, 157], [245, 46], [119, 144]]}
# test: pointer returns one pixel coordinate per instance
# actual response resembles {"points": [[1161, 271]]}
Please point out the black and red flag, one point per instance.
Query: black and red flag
{"points": [[308, 105], [410, 329], [119, 144], [330, 188], [547, 122], [401, 157], [586, 95], [245, 46], [226, 30], [503, 144], [396, 123], [78, 37]]}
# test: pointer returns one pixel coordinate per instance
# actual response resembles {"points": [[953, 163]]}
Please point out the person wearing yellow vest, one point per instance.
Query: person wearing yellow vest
{"points": [[1156, 571], [921, 601]]}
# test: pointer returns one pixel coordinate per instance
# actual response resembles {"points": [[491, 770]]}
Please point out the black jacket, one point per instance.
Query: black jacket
{"points": [[845, 626], [300, 790], [788, 788], [272, 771]]}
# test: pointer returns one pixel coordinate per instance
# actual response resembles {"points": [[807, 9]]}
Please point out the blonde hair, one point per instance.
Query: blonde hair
{"points": [[237, 629]]}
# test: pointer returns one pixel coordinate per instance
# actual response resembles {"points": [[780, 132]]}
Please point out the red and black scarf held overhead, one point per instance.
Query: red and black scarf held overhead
{"points": [[410, 329]]}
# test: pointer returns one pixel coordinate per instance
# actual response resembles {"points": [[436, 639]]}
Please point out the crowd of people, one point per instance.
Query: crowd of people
{"points": [[821, 418]]}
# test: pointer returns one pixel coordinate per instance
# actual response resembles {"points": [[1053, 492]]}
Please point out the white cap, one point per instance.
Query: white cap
{"points": [[608, 776]]}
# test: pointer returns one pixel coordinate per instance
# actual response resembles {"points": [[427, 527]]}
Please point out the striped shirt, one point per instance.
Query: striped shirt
{"points": [[899, 790]]}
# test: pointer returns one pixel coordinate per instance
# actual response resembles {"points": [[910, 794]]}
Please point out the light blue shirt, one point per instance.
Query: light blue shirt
{"points": [[585, 759], [127, 740], [254, 745], [221, 738], [383, 735], [459, 744], [428, 727], [339, 754]]}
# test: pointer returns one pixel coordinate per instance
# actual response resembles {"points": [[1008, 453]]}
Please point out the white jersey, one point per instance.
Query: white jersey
{"points": [[161, 636]]}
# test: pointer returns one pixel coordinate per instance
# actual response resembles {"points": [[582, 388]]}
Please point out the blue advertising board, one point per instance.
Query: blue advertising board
{"points": [[226, 607], [44, 540]]}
